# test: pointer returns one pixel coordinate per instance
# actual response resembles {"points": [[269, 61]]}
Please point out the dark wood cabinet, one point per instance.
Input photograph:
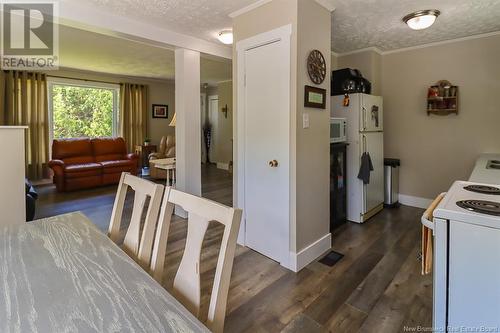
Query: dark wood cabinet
{"points": [[338, 186], [143, 152]]}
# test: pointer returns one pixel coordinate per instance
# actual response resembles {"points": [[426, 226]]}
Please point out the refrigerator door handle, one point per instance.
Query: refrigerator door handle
{"points": [[364, 118], [364, 150]]}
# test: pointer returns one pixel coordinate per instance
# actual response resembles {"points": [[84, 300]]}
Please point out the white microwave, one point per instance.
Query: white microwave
{"points": [[338, 130]]}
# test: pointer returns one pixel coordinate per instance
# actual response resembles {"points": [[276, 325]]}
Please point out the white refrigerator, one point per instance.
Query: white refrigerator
{"points": [[365, 134]]}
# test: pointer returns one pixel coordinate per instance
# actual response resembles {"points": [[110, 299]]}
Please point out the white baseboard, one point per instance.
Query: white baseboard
{"points": [[223, 166], [310, 253], [418, 202]]}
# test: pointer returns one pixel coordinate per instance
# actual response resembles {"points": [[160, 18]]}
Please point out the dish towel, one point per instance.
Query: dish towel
{"points": [[427, 237], [365, 168], [426, 250]]}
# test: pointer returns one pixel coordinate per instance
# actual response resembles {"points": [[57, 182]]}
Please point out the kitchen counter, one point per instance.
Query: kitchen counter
{"points": [[482, 174]]}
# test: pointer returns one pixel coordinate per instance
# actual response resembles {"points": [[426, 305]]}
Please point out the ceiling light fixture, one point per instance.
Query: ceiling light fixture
{"points": [[226, 37], [421, 19]]}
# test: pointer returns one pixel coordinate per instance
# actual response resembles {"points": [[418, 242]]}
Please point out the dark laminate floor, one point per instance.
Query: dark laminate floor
{"points": [[376, 287]]}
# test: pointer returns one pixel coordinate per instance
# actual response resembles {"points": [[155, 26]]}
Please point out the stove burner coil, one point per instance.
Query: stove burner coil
{"points": [[481, 206], [483, 189]]}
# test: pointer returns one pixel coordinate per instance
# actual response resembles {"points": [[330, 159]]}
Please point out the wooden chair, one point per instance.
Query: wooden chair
{"points": [[187, 280], [138, 246]]}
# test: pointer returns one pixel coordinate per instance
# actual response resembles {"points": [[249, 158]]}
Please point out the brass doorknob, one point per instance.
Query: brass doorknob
{"points": [[273, 163]]}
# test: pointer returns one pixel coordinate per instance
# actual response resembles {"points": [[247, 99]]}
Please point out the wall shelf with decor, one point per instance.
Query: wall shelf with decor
{"points": [[442, 98]]}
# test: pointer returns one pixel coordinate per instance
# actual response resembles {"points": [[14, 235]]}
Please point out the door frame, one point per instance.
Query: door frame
{"points": [[214, 137], [203, 117], [282, 34]]}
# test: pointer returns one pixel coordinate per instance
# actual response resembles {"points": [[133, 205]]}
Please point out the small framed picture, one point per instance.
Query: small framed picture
{"points": [[314, 97], [160, 111]]}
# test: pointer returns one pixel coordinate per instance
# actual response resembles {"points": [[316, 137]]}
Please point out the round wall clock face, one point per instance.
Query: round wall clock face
{"points": [[316, 67]]}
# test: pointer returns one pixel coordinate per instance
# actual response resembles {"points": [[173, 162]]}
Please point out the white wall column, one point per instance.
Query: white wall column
{"points": [[188, 126]]}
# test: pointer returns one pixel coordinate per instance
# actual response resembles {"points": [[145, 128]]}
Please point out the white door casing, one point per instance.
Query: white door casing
{"points": [[263, 134]]}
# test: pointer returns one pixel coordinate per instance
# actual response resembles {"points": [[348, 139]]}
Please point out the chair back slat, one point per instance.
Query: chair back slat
{"points": [[132, 237], [220, 289], [138, 245], [187, 287], [160, 243], [117, 213]]}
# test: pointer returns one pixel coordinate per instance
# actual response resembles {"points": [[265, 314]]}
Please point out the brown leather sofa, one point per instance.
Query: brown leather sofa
{"points": [[85, 163]]}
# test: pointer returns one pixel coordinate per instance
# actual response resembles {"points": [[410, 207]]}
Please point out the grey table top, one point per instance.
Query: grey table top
{"points": [[62, 274]]}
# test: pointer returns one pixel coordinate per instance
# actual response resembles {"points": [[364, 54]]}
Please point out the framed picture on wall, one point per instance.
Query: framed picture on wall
{"points": [[314, 97], [160, 111]]}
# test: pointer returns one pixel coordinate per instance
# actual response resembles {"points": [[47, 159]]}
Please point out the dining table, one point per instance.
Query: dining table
{"points": [[62, 274]]}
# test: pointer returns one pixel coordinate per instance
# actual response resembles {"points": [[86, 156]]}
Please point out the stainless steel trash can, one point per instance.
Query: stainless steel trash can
{"points": [[391, 180]]}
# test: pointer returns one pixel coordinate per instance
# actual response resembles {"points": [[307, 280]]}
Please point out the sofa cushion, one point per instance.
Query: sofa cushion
{"points": [[73, 168], [109, 149], [117, 166], [109, 157], [79, 160], [69, 149]]}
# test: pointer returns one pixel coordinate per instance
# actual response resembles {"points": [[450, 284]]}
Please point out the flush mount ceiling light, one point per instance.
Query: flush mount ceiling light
{"points": [[226, 37], [421, 19]]}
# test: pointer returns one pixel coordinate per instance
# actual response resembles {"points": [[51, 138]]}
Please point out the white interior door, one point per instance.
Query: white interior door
{"points": [[266, 138], [373, 143], [213, 119], [372, 113]]}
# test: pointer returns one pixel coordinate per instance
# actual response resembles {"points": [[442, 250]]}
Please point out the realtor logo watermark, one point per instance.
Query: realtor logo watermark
{"points": [[30, 35]]}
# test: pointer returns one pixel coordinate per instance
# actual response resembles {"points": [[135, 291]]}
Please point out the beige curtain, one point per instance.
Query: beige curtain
{"points": [[133, 114], [24, 102]]}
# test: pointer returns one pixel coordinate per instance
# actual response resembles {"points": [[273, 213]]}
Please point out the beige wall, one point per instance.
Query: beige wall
{"points": [[334, 62], [436, 150], [160, 92], [313, 144], [225, 140], [309, 155], [368, 62]]}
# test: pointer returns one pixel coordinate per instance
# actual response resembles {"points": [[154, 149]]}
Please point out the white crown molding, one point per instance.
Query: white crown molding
{"points": [[366, 49], [248, 8], [416, 47], [444, 42], [84, 74], [328, 4], [88, 18]]}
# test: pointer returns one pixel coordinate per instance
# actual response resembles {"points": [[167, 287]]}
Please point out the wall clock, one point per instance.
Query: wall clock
{"points": [[316, 67]]}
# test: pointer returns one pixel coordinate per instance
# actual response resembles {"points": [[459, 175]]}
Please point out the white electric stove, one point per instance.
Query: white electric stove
{"points": [[466, 263]]}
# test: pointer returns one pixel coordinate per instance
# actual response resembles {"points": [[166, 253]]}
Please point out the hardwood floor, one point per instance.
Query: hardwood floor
{"points": [[376, 287]]}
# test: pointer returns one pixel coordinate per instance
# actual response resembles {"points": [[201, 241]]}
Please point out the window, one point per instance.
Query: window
{"points": [[82, 108]]}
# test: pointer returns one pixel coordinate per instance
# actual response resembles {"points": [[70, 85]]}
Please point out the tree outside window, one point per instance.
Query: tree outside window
{"points": [[82, 111]]}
